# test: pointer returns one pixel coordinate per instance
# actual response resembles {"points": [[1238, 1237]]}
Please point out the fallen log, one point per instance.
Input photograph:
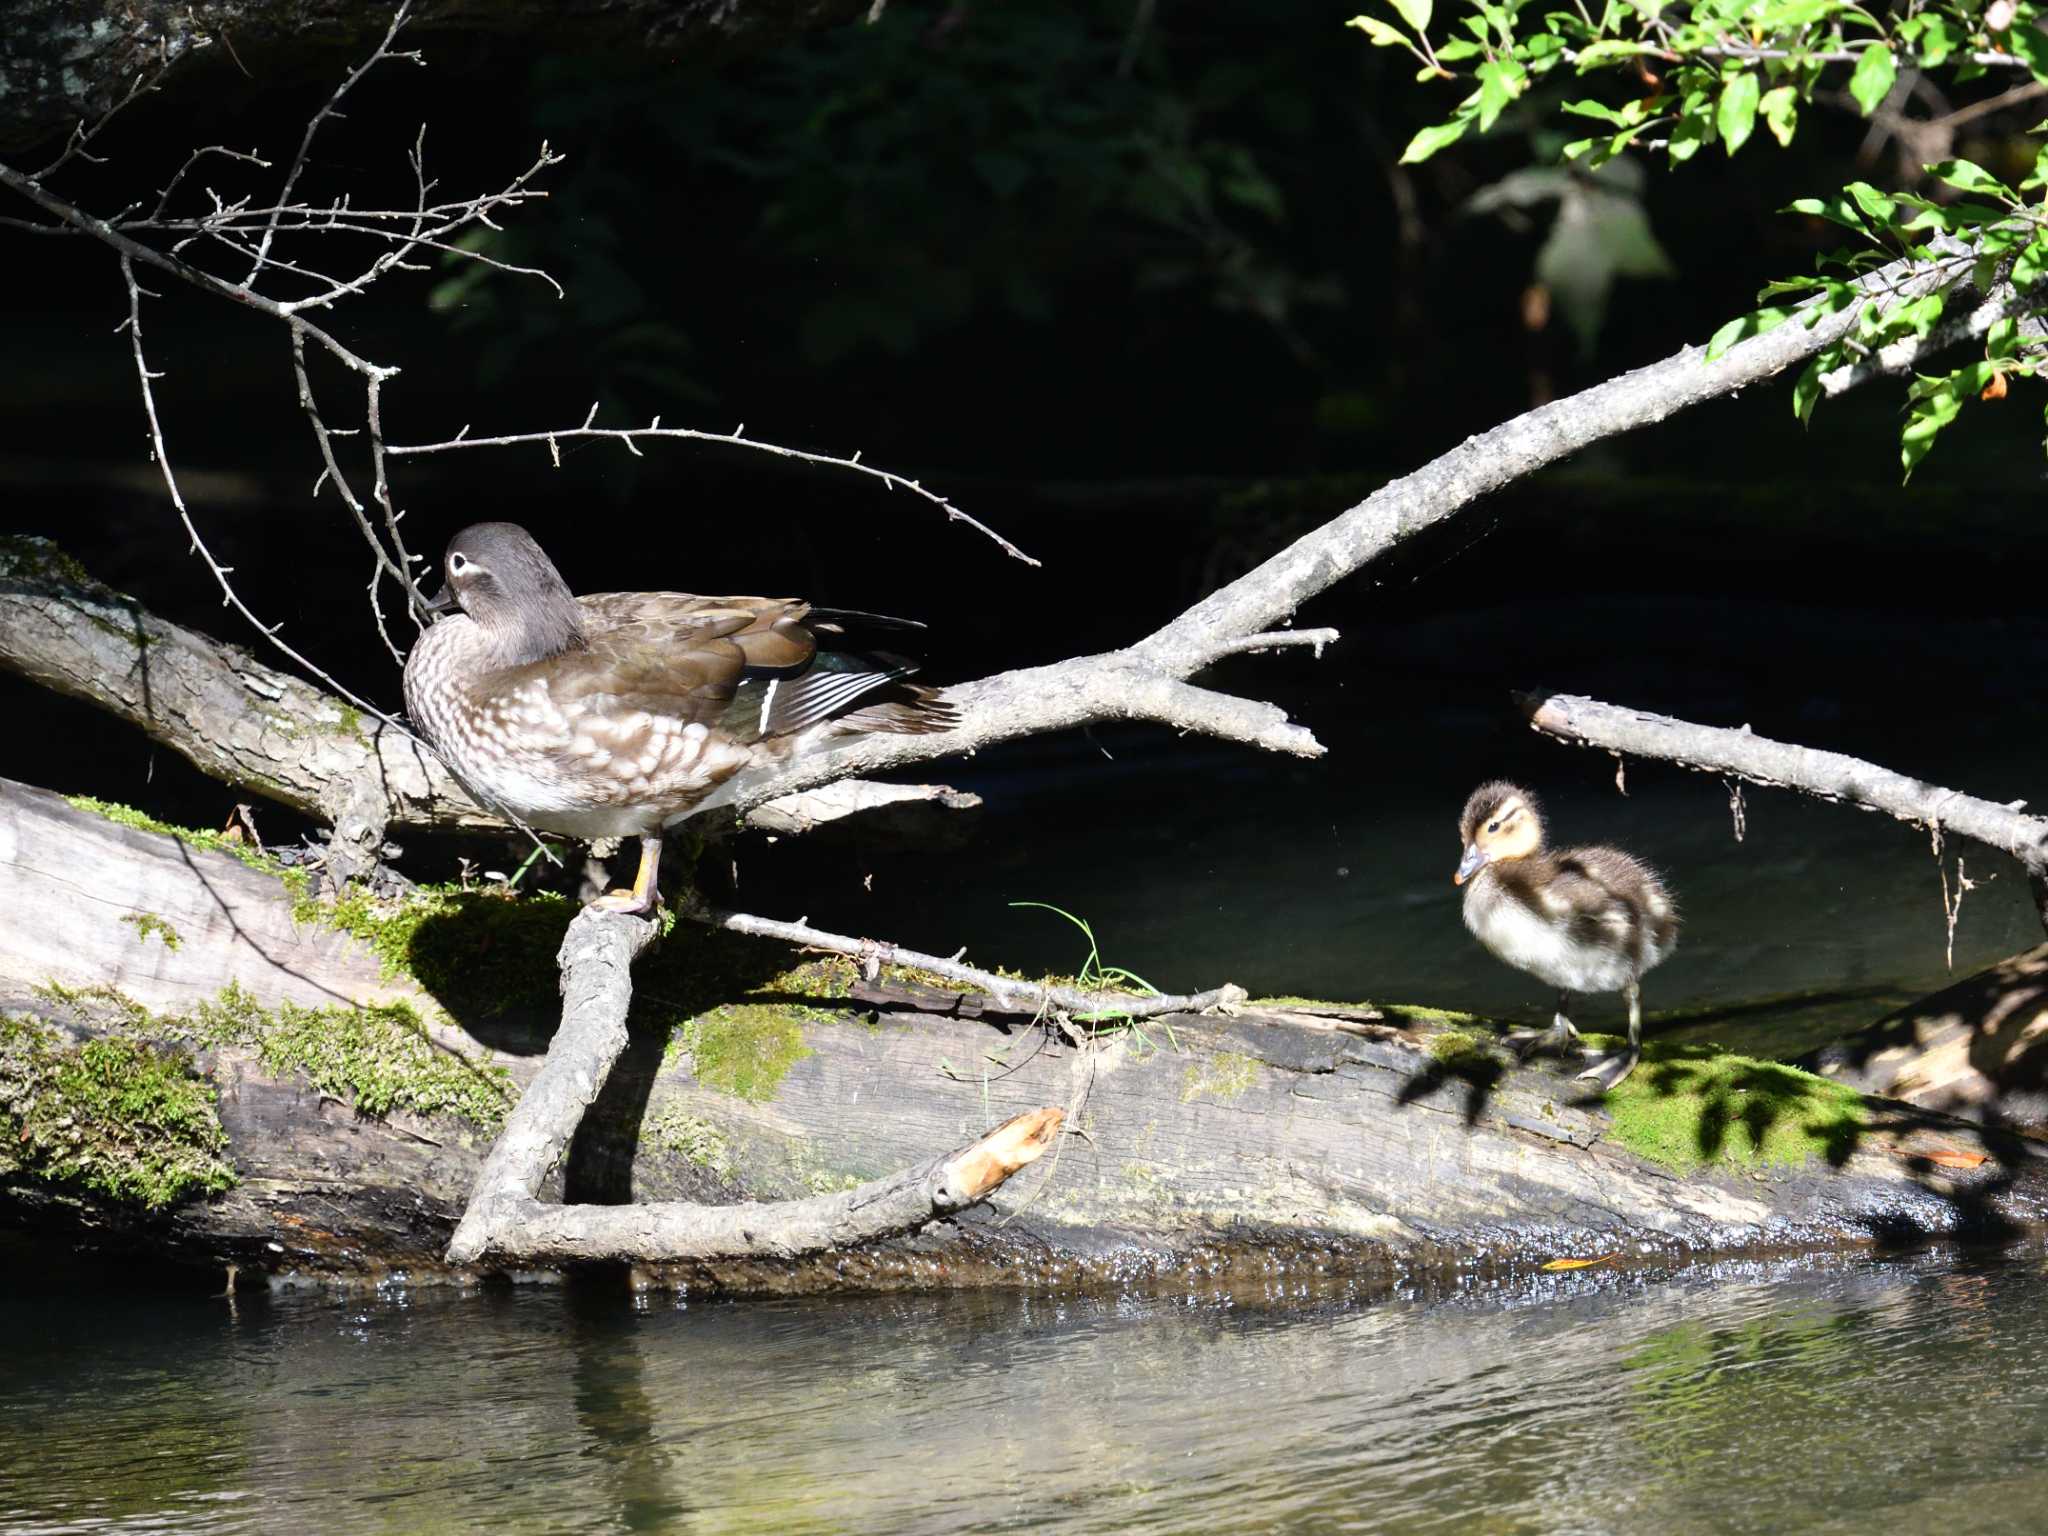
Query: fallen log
{"points": [[1384, 1140]]}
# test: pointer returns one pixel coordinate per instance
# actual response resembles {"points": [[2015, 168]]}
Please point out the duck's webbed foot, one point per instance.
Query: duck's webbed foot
{"points": [[645, 897]]}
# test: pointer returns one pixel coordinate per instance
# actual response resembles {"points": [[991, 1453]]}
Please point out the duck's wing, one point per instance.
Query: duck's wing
{"points": [[754, 667]]}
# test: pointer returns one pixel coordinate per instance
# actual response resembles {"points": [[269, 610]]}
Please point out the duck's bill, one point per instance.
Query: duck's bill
{"points": [[1469, 865], [442, 602]]}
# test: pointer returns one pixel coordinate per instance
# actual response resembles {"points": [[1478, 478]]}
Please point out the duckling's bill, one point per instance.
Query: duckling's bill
{"points": [[1469, 865]]}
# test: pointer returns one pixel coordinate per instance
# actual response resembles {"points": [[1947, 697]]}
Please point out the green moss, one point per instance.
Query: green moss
{"points": [[377, 1058], [673, 1129], [148, 925], [122, 1117], [21, 555], [490, 950], [191, 837], [1692, 1106], [1304, 1002], [1460, 1047], [1226, 1075], [745, 1049]]}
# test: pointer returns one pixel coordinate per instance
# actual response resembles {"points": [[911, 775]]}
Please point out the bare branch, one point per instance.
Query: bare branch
{"points": [[1779, 765], [1009, 993], [630, 436], [505, 1220], [313, 125]]}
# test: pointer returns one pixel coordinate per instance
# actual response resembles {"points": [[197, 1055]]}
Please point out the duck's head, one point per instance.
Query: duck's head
{"points": [[502, 579], [1501, 822]]}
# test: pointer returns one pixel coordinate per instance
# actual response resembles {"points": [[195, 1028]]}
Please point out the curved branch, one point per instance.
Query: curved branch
{"points": [[506, 1221], [1780, 765]]}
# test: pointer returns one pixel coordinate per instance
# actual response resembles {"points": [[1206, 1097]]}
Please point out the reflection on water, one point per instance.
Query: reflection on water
{"points": [[1837, 1394]]}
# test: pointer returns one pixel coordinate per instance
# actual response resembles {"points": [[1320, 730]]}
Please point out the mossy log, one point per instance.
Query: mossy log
{"points": [[1384, 1140]]}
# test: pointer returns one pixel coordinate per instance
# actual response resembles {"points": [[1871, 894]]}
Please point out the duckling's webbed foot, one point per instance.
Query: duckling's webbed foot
{"points": [[1558, 1040], [1610, 1071]]}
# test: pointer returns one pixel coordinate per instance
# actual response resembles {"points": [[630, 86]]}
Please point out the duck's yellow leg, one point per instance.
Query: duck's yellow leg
{"points": [[646, 893]]}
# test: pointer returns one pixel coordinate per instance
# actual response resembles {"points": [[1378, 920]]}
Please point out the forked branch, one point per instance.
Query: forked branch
{"points": [[507, 1222]]}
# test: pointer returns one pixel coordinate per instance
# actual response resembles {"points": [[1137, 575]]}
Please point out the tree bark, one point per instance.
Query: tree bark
{"points": [[1239, 1143]]}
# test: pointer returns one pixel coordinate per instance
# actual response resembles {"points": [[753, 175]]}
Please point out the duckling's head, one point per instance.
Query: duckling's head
{"points": [[502, 579], [1501, 822]]}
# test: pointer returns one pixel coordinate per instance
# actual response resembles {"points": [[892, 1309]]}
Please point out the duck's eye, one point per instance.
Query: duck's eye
{"points": [[1493, 826], [457, 564]]}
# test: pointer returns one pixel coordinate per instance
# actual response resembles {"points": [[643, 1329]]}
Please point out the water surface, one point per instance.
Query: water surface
{"points": [[1838, 1394]]}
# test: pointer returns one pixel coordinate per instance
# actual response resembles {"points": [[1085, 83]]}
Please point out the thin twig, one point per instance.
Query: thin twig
{"points": [[629, 435], [1008, 991]]}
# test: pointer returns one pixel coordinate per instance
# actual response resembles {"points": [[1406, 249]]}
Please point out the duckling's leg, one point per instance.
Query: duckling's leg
{"points": [[1558, 1038], [646, 893], [1609, 1073]]}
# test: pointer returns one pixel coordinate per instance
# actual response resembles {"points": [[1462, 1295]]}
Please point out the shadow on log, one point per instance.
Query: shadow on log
{"points": [[1385, 1141], [1977, 1050]]}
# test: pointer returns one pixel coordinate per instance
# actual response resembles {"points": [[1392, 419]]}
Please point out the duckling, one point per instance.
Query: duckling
{"points": [[622, 714], [1582, 919]]}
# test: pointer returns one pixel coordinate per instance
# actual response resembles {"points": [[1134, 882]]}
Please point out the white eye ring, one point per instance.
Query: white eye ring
{"points": [[457, 564]]}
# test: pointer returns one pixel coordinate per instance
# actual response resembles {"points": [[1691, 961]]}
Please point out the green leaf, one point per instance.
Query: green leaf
{"points": [[1500, 82], [1600, 111], [2003, 340], [1382, 35], [1692, 130], [1934, 403], [1746, 326], [1872, 80], [2031, 263], [1736, 117], [1780, 107], [2039, 176], [1876, 207], [1414, 12], [1971, 177], [1797, 13], [1430, 140], [2029, 42], [1935, 36], [1806, 392]]}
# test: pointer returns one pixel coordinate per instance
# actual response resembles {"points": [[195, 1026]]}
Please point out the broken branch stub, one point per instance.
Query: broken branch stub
{"points": [[506, 1221]]}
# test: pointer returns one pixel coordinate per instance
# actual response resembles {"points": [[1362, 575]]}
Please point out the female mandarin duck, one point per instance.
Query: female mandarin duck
{"points": [[1582, 919], [618, 715]]}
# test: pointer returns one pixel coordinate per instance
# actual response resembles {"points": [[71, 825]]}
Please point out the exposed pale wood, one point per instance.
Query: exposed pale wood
{"points": [[74, 888]]}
